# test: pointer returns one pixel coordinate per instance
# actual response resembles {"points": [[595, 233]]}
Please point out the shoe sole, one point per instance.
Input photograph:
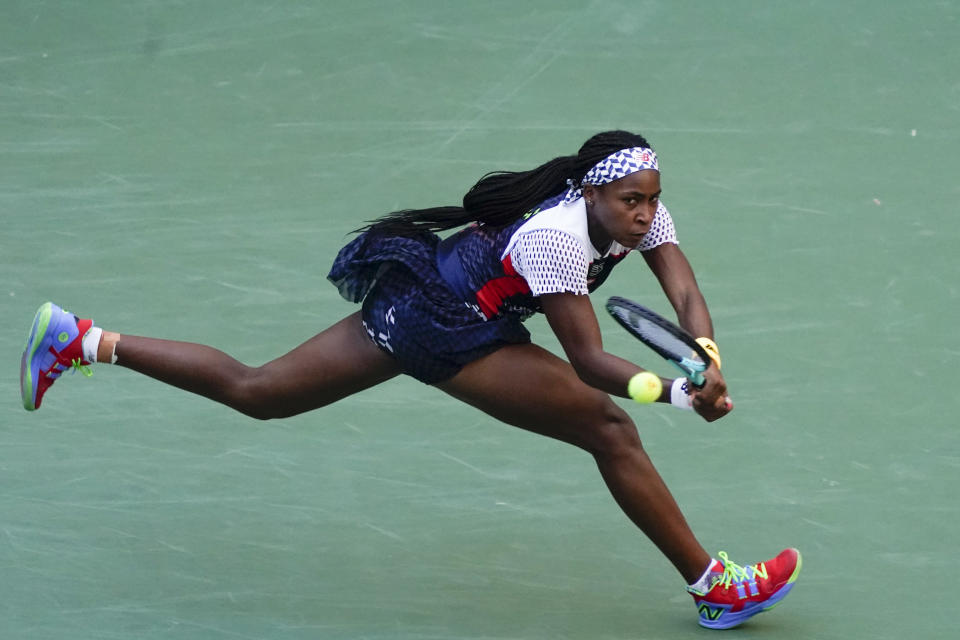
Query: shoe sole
{"points": [[38, 331], [731, 620]]}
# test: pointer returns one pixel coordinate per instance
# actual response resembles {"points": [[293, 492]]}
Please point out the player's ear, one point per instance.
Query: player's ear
{"points": [[589, 192]]}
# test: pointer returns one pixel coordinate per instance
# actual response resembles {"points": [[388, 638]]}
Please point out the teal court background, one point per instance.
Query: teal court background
{"points": [[188, 170]]}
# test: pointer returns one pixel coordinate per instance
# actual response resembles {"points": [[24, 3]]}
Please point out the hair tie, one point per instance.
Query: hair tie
{"points": [[615, 166]]}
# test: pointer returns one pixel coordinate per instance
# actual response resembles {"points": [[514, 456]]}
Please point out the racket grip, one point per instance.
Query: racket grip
{"points": [[680, 397]]}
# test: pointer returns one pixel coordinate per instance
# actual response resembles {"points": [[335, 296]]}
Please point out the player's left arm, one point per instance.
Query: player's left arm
{"points": [[673, 270], [676, 277]]}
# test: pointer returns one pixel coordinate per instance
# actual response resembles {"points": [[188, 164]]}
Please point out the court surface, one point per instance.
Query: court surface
{"points": [[188, 171]]}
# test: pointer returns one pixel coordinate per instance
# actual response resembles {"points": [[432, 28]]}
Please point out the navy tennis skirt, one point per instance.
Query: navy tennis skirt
{"points": [[411, 312]]}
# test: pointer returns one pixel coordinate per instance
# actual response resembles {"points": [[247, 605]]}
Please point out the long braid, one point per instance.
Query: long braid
{"points": [[499, 198]]}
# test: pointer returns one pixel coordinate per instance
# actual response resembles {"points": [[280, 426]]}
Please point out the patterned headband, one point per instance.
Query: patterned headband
{"points": [[613, 167]]}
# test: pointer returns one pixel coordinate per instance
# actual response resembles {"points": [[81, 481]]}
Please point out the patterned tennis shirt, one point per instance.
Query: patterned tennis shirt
{"points": [[499, 270]]}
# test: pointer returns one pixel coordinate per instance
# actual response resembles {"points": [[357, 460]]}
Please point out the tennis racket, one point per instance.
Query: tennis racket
{"points": [[670, 341]]}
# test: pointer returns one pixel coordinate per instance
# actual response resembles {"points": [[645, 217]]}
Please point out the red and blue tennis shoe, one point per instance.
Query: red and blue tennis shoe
{"points": [[54, 345], [737, 593]]}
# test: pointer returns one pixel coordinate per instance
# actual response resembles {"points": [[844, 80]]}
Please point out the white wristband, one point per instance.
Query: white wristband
{"points": [[678, 394]]}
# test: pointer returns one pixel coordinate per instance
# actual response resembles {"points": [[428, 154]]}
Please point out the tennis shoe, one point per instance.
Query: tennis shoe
{"points": [[738, 593], [53, 346]]}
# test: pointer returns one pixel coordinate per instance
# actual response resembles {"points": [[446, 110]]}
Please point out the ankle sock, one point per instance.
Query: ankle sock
{"points": [[90, 343], [703, 584]]}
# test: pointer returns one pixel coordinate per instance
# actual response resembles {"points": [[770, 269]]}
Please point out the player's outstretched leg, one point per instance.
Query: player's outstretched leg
{"points": [[333, 364], [528, 387]]}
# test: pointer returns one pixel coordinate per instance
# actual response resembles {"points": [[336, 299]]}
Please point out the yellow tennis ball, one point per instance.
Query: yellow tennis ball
{"points": [[645, 387]]}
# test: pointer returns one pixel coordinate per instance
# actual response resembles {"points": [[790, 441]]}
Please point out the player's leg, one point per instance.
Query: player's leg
{"points": [[333, 364], [528, 387]]}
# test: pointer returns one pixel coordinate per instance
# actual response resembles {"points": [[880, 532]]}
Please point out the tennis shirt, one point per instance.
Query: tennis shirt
{"points": [[504, 270]]}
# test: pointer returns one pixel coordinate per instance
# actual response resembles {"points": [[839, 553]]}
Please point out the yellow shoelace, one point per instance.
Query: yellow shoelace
{"points": [[735, 574], [78, 365]]}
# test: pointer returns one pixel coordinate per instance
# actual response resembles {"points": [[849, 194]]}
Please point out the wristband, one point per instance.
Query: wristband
{"points": [[711, 348], [678, 394]]}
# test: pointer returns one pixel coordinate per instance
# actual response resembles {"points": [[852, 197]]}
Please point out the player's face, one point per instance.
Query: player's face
{"points": [[622, 210]]}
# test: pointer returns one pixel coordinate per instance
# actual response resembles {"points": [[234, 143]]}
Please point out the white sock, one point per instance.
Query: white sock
{"points": [[703, 585], [90, 343]]}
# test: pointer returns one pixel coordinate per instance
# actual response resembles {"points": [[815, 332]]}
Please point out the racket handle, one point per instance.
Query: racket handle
{"points": [[680, 396]]}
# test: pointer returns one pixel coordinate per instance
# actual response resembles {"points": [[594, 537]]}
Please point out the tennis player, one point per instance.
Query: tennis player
{"points": [[450, 313]]}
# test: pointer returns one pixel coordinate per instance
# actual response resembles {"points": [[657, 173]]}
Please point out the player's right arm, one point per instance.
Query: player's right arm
{"points": [[574, 322]]}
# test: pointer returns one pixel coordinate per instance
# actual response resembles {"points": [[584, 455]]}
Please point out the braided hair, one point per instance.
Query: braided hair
{"points": [[501, 197]]}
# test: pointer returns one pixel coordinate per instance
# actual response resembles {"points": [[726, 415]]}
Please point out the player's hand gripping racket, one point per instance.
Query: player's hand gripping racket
{"points": [[670, 341]]}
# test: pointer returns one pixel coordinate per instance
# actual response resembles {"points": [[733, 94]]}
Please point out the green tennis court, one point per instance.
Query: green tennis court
{"points": [[189, 170]]}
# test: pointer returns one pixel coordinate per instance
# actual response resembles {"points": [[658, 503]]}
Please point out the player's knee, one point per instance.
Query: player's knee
{"points": [[613, 433]]}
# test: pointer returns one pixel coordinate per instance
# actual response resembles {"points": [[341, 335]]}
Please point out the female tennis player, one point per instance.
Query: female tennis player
{"points": [[450, 313]]}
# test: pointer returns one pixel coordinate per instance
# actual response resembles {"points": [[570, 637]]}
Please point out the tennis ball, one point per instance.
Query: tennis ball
{"points": [[645, 387]]}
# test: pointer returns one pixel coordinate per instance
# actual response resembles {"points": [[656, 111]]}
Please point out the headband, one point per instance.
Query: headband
{"points": [[613, 167]]}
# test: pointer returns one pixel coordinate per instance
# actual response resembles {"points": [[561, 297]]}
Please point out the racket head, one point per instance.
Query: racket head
{"points": [[662, 336]]}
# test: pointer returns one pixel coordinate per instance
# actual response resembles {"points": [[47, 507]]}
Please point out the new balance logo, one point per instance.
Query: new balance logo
{"points": [[710, 613]]}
